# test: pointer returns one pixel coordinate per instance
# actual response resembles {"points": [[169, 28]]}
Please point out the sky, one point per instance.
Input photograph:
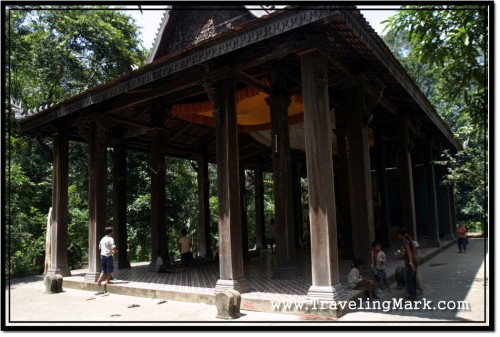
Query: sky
{"points": [[151, 16]]}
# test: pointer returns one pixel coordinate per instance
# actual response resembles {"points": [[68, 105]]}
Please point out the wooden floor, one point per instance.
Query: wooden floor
{"points": [[202, 278]]}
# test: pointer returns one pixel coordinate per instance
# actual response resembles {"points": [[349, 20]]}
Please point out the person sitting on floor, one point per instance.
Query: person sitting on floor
{"points": [[163, 264], [355, 281]]}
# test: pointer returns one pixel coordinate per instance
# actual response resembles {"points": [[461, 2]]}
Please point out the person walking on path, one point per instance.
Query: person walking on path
{"points": [[108, 248], [462, 238]]}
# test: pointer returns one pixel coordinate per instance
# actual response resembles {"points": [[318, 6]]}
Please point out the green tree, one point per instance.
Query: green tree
{"points": [[445, 48], [454, 40], [53, 54]]}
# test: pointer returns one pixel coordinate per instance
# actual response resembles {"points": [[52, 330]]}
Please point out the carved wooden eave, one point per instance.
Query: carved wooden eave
{"points": [[387, 58], [258, 30]]}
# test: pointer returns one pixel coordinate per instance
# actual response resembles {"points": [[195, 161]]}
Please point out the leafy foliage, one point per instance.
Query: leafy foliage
{"points": [[449, 37], [445, 49], [53, 54], [56, 54]]}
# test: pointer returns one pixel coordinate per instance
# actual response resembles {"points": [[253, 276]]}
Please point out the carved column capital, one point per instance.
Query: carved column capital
{"points": [[210, 82], [278, 100]]}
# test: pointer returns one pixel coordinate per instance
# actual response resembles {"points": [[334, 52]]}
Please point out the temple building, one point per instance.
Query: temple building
{"points": [[303, 92]]}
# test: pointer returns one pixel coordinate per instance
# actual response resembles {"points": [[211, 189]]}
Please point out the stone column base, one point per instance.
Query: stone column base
{"points": [[61, 271], [241, 285], [53, 283], [327, 293], [92, 276]]}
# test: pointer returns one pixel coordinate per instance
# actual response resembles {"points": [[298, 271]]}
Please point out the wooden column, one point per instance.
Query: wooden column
{"points": [[380, 153], [347, 249], [430, 183], [259, 207], [453, 210], [120, 205], [359, 171], [297, 204], [157, 170], [446, 228], [59, 231], [158, 211], [98, 182], [223, 95], [244, 216], [318, 140], [204, 206], [286, 264], [406, 177]]}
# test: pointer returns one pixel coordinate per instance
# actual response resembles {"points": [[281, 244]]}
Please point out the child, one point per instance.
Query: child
{"points": [[163, 264], [378, 265], [355, 281]]}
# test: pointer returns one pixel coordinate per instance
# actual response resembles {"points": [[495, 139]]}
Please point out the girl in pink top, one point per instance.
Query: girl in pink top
{"points": [[462, 238]]}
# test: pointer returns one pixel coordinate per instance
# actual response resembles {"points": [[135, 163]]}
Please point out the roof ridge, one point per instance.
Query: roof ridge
{"points": [[159, 33]]}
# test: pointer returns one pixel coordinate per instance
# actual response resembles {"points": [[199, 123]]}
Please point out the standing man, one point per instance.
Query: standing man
{"points": [[108, 248]]}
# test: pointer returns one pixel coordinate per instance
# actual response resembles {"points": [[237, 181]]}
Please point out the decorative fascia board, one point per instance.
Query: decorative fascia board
{"points": [[264, 29], [395, 68]]}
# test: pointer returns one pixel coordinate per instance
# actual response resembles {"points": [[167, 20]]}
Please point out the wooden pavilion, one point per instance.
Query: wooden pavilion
{"points": [[301, 92]]}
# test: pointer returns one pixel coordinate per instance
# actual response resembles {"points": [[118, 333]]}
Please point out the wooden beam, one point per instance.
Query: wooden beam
{"points": [[131, 100], [360, 79], [276, 53], [170, 139], [245, 78]]}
